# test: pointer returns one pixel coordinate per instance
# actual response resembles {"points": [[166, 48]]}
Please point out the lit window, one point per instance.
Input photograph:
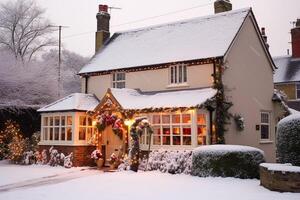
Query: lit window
{"points": [[118, 80], [265, 125], [171, 129], [201, 129], [298, 91], [57, 128], [86, 128], [178, 74]]}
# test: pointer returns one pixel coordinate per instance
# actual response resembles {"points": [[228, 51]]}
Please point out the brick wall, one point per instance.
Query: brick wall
{"points": [[81, 153], [280, 181]]}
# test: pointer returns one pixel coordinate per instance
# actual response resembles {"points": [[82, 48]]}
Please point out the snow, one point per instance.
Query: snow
{"points": [[226, 148], [75, 101], [287, 167], [198, 38], [10, 173], [293, 111], [134, 99], [290, 118], [149, 186]]}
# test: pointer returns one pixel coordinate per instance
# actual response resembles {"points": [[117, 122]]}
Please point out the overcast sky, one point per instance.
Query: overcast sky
{"points": [[79, 15]]}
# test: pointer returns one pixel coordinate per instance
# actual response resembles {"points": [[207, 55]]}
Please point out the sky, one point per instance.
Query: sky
{"points": [[80, 18]]}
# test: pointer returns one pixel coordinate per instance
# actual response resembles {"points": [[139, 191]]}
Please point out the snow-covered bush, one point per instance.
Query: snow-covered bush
{"points": [[174, 162], [227, 161], [68, 161], [166, 161], [56, 158], [44, 157], [288, 140], [28, 158]]}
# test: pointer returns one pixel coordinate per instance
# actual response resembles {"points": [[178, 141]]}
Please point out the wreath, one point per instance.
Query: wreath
{"points": [[105, 120]]}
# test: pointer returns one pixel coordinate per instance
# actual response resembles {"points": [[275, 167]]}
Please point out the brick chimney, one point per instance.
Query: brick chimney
{"points": [[264, 36], [222, 6], [296, 40], [102, 33]]}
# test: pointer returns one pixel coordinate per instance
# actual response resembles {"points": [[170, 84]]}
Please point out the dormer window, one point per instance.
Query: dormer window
{"points": [[178, 74], [118, 80]]}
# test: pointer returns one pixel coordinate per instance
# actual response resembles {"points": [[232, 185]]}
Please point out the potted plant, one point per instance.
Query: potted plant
{"points": [[97, 156], [114, 161]]}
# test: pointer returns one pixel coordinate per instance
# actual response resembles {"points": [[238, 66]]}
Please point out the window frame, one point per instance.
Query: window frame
{"points": [[170, 125], [85, 126], [116, 81], [178, 74], [47, 127], [297, 89], [265, 124]]}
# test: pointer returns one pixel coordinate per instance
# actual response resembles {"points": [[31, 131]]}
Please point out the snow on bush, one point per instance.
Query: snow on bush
{"points": [[226, 161], [56, 158], [288, 140], [166, 161]]}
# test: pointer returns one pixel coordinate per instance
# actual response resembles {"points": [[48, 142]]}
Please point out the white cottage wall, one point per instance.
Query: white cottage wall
{"points": [[248, 80]]}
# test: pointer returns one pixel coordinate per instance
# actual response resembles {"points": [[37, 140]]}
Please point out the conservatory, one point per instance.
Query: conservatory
{"points": [[81, 123]]}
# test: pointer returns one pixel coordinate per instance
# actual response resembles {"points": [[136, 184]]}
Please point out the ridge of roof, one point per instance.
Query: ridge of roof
{"points": [[205, 17]]}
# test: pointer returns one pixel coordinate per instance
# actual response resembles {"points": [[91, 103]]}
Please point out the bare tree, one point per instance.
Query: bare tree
{"points": [[23, 28]]}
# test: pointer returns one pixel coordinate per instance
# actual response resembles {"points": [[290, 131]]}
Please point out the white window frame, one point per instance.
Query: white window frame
{"points": [[297, 87], [116, 81], [169, 125], [178, 74], [45, 139], [86, 127], [265, 123]]}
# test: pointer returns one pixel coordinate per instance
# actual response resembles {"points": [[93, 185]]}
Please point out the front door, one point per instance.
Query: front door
{"points": [[112, 143]]}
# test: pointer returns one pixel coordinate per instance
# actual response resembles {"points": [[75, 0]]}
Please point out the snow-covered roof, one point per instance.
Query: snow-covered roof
{"points": [[288, 69], [131, 99], [73, 102], [197, 38]]}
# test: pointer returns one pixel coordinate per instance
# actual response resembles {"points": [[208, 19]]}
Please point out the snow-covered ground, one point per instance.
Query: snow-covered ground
{"points": [[10, 174], [142, 185]]}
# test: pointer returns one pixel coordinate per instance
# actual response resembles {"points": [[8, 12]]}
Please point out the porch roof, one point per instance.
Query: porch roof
{"points": [[73, 102], [131, 99]]}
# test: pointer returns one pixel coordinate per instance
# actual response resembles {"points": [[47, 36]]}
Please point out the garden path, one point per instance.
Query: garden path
{"points": [[49, 180]]}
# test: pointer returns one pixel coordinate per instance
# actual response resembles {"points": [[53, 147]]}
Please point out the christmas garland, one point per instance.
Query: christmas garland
{"points": [[105, 120]]}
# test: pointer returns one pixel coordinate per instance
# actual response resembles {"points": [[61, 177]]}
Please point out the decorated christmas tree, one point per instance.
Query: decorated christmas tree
{"points": [[12, 144]]}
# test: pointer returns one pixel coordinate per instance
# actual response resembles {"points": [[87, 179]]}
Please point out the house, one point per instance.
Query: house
{"points": [[287, 76], [186, 77]]}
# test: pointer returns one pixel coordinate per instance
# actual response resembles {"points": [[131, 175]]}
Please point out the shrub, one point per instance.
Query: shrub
{"points": [[288, 140], [166, 161], [227, 161]]}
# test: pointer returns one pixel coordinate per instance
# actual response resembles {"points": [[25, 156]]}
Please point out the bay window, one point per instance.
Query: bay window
{"points": [[57, 128]]}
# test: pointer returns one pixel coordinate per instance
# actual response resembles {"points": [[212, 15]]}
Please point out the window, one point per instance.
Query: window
{"points": [[265, 125], [171, 129], [178, 74], [86, 128], [118, 80], [201, 129], [57, 128], [298, 91]]}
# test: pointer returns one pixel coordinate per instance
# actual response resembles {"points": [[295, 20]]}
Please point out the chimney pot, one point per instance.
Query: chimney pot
{"points": [[222, 6], [103, 8]]}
